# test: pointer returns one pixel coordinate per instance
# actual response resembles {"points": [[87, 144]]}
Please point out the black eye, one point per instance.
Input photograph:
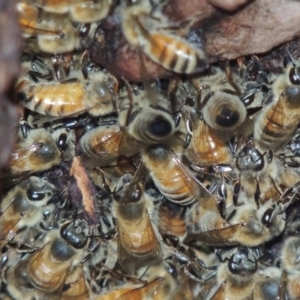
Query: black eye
{"points": [[62, 141], [160, 127], [84, 30], [267, 217], [294, 76], [35, 196], [135, 194], [227, 117]]}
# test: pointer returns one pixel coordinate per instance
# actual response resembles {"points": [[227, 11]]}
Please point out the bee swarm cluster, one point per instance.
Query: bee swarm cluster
{"points": [[182, 188]]}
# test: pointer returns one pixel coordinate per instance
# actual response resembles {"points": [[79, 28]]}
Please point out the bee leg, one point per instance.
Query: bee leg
{"points": [[85, 59], [189, 135], [262, 73], [231, 215], [236, 191], [230, 80], [130, 96], [221, 199], [257, 194]]}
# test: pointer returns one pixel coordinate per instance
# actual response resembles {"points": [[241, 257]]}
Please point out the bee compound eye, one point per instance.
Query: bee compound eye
{"points": [[62, 141], [35, 195], [294, 76], [267, 217]]}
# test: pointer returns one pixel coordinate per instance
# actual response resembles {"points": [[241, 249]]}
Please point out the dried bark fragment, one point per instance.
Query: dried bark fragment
{"points": [[9, 68], [252, 28]]}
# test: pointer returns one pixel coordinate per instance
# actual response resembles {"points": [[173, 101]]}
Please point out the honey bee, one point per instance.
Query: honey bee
{"points": [[182, 187], [54, 98], [257, 170], [276, 124], [55, 34], [289, 285], [131, 210], [140, 24], [39, 151], [139, 125], [24, 206], [221, 105], [246, 225], [238, 276], [173, 284], [42, 275], [85, 11]]}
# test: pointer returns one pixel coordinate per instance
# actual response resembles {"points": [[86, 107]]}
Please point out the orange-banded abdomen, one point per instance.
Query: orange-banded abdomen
{"points": [[46, 270], [77, 287], [275, 126], [39, 153], [171, 219], [170, 176], [137, 245], [55, 99], [137, 235], [102, 142], [207, 148], [147, 291], [173, 53]]}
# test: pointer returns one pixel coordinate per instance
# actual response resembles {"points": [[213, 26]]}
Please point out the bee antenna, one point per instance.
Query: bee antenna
{"points": [[290, 55]]}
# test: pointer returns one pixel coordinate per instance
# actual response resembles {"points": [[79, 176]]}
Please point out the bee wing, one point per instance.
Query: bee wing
{"points": [[217, 237], [204, 193], [282, 288], [19, 161], [7, 226], [9, 180], [145, 292], [148, 251], [220, 293], [108, 148], [18, 167]]}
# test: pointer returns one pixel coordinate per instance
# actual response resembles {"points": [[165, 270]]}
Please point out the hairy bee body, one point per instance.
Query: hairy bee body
{"points": [[170, 51], [70, 98], [275, 126]]}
